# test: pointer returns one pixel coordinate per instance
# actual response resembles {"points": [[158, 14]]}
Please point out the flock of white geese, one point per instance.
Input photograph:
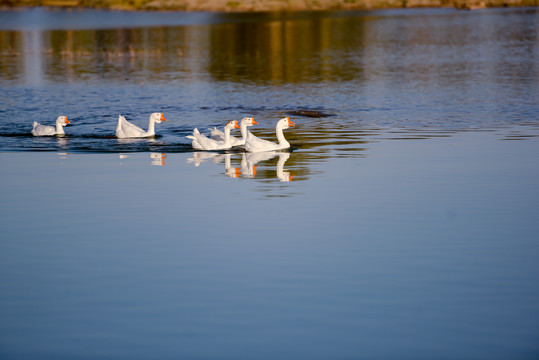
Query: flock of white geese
{"points": [[217, 139]]}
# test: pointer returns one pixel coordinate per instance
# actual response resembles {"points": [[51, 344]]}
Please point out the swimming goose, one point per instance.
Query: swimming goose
{"points": [[125, 129], [47, 130], [255, 144], [220, 136], [202, 142]]}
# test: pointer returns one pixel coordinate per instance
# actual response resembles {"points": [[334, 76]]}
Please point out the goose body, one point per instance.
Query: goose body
{"points": [[47, 130], [125, 129], [202, 142], [255, 144], [218, 135]]}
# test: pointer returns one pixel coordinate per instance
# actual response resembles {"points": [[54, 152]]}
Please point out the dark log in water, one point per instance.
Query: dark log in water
{"points": [[309, 113]]}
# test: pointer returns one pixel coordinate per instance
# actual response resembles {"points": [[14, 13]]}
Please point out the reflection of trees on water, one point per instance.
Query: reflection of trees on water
{"points": [[284, 51], [312, 49], [78, 55], [277, 51]]}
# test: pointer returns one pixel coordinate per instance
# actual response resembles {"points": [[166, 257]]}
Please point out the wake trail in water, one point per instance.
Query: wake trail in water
{"points": [[17, 141]]}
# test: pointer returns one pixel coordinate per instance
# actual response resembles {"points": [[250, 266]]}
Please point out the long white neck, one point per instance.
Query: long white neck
{"points": [[59, 128], [244, 131], [280, 136], [151, 127], [227, 135]]}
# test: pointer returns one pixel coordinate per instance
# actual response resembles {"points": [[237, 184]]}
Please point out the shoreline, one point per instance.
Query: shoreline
{"points": [[262, 5]]}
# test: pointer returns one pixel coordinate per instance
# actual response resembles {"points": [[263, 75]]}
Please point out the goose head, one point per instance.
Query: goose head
{"points": [[248, 121], [285, 123], [232, 125], [157, 117], [62, 120]]}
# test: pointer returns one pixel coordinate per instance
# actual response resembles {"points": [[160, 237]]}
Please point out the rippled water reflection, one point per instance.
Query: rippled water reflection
{"points": [[433, 69]]}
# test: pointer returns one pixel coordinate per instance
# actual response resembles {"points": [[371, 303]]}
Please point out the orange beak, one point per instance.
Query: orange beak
{"points": [[236, 126], [67, 121], [290, 123], [254, 121], [163, 118]]}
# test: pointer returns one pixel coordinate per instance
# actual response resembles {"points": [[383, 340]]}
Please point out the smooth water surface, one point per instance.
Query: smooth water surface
{"points": [[402, 223]]}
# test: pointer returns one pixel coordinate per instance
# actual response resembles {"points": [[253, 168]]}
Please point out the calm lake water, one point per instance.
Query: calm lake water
{"points": [[403, 223]]}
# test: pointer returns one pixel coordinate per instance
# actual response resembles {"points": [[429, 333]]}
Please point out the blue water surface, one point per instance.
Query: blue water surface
{"points": [[402, 223]]}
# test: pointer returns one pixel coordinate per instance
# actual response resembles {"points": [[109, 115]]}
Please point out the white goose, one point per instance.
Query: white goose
{"points": [[220, 136], [125, 129], [255, 144], [47, 130], [202, 142]]}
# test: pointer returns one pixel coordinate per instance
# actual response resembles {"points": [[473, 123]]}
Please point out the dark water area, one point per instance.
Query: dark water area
{"points": [[402, 223]]}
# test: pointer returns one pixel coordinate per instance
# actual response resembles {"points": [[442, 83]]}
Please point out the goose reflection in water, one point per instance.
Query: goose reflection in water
{"points": [[155, 158], [132, 141], [62, 142], [230, 171], [249, 161], [158, 158], [248, 165], [283, 174], [202, 156]]}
